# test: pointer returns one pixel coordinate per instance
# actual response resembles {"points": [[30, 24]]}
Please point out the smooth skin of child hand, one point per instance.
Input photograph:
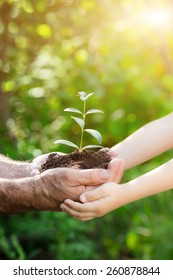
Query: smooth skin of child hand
{"points": [[146, 143]]}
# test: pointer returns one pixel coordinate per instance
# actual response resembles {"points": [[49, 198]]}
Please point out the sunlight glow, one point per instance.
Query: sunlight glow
{"points": [[157, 17]]}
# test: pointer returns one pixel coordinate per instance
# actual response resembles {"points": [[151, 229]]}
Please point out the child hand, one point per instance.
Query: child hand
{"points": [[96, 203], [116, 169]]}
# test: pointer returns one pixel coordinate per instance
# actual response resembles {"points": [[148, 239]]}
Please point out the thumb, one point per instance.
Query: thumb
{"points": [[91, 177], [95, 194]]}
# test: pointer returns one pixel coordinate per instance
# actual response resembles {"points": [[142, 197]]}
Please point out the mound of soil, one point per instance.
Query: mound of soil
{"points": [[85, 160]]}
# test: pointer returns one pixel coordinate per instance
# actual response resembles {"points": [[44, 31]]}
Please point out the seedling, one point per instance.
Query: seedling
{"points": [[81, 122]]}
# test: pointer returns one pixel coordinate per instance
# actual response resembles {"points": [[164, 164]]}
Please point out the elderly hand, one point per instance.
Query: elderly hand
{"points": [[99, 201], [55, 185], [36, 163]]}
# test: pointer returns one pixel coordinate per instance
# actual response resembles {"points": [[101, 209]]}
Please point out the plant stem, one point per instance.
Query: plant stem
{"points": [[82, 129]]}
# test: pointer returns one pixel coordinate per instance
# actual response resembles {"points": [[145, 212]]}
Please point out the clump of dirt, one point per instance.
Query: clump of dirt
{"points": [[84, 160]]}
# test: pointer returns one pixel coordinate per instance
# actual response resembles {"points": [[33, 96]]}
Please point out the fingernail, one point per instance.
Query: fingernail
{"points": [[83, 198], [115, 162], [104, 174]]}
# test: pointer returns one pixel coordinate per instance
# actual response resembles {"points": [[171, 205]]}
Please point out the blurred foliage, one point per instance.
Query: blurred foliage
{"points": [[49, 50]]}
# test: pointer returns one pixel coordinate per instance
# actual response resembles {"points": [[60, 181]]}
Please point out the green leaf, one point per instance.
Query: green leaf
{"points": [[84, 96], [73, 110], [88, 95], [65, 142], [95, 134], [92, 147], [79, 121], [93, 111]]}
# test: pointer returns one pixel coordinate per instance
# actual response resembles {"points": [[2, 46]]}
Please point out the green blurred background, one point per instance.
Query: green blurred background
{"points": [[122, 51]]}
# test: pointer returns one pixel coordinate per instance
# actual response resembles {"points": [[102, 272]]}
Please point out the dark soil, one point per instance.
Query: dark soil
{"points": [[85, 160]]}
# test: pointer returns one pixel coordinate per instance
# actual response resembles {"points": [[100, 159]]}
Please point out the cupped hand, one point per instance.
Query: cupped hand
{"points": [[36, 163], [99, 201], [55, 185], [96, 203]]}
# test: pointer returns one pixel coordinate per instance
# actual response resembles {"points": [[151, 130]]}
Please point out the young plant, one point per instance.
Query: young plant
{"points": [[81, 122]]}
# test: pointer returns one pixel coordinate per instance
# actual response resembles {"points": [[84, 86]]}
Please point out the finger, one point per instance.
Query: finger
{"points": [[34, 172], [89, 177], [113, 153], [120, 172], [67, 208], [85, 209], [113, 168], [40, 159], [43, 158], [95, 194], [116, 167], [76, 206], [75, 177]]}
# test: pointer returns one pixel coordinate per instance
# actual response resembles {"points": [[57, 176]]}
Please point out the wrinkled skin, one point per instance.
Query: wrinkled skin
{"points": [[56, 185]]}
